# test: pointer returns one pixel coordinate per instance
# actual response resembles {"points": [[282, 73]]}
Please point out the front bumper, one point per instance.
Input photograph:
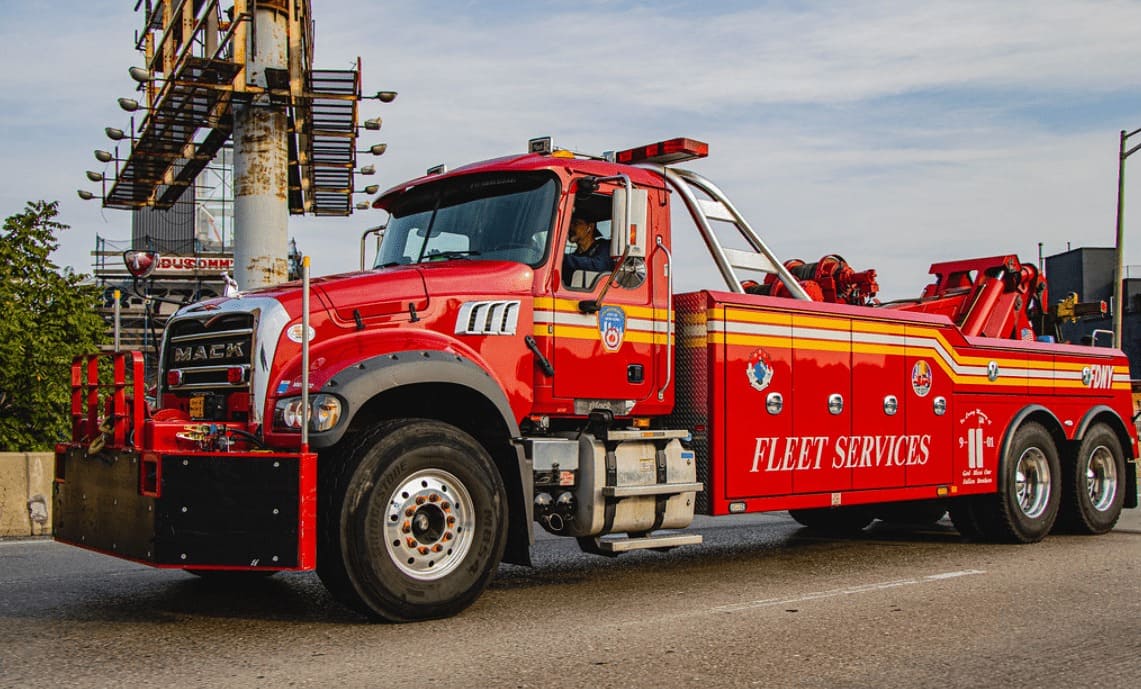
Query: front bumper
{"points": [[195, 510]]}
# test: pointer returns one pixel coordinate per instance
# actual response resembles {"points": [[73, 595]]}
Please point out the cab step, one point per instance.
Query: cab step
{"points": [[613, 546]]}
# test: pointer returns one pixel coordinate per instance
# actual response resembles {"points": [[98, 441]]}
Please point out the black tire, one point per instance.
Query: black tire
{"points": [[1094, 483], [964, 517], [912, 513], [1026, 509], [835, 520], [334, 470], [415, 522]]}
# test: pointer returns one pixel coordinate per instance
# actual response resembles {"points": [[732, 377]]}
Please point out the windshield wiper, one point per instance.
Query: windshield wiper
{"points": [[448, 255]]}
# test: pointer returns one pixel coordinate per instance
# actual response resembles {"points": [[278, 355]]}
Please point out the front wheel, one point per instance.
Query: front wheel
{"points": [[1093, 497], [416, 525]]}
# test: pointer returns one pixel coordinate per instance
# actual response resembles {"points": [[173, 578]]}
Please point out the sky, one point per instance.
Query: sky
{"points": [[895, 134]]}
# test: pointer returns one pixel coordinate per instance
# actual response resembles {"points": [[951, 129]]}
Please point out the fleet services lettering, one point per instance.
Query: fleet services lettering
{"points": [[811, 452]]}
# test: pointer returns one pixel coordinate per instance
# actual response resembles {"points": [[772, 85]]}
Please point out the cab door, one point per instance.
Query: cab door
{"points": [[607, 354]]}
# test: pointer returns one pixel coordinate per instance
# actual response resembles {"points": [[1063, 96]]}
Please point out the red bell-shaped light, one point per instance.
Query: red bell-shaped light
{"points": [[140, 264]]}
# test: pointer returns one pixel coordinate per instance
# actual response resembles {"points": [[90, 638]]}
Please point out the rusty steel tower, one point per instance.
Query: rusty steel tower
{"points": [[244, 72]]}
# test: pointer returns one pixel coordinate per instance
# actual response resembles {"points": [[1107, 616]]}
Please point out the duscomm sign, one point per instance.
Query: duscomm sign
{"points": [[185, 265]]}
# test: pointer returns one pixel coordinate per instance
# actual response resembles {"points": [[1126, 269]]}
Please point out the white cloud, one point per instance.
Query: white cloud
{"points": [[894, 133]]}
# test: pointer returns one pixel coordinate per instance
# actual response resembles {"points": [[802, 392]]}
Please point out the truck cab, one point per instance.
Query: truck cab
{"points": [[519, 210]]}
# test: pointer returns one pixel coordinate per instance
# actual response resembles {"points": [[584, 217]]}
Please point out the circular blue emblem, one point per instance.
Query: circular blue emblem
{"points": [[760, 369], [612, 327]]}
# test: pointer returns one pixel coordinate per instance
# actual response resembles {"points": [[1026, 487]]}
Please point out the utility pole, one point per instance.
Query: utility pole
{"points": [[261, 159], [1119, 247]]}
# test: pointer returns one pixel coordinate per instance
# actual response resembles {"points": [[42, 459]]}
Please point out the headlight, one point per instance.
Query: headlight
{"points": [[324, 413]]}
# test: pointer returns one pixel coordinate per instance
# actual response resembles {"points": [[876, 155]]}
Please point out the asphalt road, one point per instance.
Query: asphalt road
{"points": [[762, 603]]}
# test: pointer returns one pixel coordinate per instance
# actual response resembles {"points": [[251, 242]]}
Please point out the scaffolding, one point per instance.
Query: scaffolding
{"points": [[195, 73]]}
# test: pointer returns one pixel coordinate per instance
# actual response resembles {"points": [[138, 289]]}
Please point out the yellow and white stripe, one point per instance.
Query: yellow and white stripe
{"points": [[562, 318], [752, 328]]}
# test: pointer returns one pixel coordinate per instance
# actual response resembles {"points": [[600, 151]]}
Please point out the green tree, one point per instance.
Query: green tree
{"points": [[47, 316]]}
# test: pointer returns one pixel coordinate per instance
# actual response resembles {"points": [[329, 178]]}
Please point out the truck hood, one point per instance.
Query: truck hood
{"points": [[373, 294], [386, 292], [451, 278]]}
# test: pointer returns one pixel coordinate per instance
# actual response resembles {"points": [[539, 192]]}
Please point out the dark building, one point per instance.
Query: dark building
{"points": [[171, 232], [1088, 272]]}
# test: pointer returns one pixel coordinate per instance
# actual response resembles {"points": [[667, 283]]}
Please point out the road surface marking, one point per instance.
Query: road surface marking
{"points": [[847, 591]]}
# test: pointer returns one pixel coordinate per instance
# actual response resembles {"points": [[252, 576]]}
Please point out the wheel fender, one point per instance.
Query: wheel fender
{"points": [[1119, 427], [1016, 423], [359, 383]]}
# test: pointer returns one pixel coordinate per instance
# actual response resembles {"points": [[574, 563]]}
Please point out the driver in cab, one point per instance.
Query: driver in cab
{"points": [[591, 252]]}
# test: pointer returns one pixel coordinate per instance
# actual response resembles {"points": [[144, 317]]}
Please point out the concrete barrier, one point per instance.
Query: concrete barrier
{"points": [[26, 493]]}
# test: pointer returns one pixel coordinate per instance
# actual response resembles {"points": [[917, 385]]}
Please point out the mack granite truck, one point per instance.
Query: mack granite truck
{"points": [[402, 429]]}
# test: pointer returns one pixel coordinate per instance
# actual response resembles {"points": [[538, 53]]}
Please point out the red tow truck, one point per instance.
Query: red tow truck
{"points": [[401, 429]]}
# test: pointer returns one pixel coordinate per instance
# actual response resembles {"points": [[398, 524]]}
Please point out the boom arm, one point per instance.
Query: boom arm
{"points": [[995, 296]]}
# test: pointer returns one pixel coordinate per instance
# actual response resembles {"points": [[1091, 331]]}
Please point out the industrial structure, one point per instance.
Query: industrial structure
{"points": [[1089, 272], [189, 252], [245, 73]]}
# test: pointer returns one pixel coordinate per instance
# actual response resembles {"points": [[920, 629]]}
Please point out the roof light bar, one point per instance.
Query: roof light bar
{"points": [[664, 152]]}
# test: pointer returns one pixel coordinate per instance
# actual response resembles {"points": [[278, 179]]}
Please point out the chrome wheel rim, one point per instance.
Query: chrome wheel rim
{"points": [[1101, 478], [1032, 482], [429, 524]]}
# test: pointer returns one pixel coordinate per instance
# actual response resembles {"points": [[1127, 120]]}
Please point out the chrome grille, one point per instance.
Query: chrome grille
{"points": [[204, 350]]}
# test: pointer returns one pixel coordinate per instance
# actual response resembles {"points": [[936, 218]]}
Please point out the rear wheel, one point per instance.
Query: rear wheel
{"points": [[416, 522], [1025, 510], [1093, 495], [834, 520]]}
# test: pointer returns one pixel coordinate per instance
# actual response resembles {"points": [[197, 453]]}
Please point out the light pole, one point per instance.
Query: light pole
{"points": [[1119, 248]]}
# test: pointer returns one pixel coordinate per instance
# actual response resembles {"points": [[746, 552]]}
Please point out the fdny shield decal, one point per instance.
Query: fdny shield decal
{"points": [[760, 369], [921, 377], [612, 327]]}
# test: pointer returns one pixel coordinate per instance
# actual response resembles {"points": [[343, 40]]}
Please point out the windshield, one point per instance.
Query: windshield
{"points": [[500, 216]]}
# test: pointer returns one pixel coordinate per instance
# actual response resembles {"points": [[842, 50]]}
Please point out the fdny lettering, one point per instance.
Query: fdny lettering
{"points": [[221, 350], [1101, 377], [808, 453]]}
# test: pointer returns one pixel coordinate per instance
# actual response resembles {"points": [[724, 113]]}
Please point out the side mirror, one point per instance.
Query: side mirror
{"points": [[379, 233], [586, 187], [629, 230]]}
